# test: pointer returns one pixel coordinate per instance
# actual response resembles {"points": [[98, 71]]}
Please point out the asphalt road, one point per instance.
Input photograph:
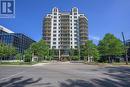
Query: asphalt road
{"points": [[64, 75]]}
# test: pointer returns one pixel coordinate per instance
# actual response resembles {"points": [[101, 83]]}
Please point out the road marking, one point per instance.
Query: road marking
{"points": [[12, 76]]}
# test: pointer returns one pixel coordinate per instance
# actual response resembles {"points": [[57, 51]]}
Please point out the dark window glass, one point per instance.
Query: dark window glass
{"points": [[53, 46], [54, 38], [55, 24], [54, 42], [54, 27], [75, 20], [75, 16], [75, 13], [55, 17], [54, 31], [55, 13], [54, 34], [54, 20], [76, 47]]}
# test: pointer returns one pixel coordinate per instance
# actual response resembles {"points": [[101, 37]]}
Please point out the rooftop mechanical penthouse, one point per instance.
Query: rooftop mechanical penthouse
{"points": [[65, 30]]}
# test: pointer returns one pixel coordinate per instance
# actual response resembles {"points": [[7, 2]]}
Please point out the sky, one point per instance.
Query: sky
{"points": [[104, 16]]}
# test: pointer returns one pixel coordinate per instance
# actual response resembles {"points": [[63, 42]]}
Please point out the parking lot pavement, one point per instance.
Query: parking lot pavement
{"points": [[64, 75]]}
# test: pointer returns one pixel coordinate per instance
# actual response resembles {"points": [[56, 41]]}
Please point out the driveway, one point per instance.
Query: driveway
{"points": [[64, 75]]}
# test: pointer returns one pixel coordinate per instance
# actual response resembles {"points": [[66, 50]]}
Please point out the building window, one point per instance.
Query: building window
{"points": [[55, 17], [55, 13], [75, 20], [75, 27], [76, 46], [54, 27], [75, 13], [55, 24], [54, 34], [54, 31], [75, 42], [53, 46], [55, 20], [54, 38], [75, 16], [54, 42]]}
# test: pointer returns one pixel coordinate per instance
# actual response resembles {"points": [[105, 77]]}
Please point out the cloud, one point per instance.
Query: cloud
{"points": [[94, 38]]}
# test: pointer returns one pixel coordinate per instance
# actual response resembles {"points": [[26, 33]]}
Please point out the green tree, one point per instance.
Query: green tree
{"points": [[28, 55], [18, 56], [43, 48], [11, 50], [110, 46], [90, 50], [51, 53], [74, 54], [40, 49], [2, 47], [7, 50]]}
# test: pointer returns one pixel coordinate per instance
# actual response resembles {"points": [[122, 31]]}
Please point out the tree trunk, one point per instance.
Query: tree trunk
{"points": [[88, 59], [109, 59]]}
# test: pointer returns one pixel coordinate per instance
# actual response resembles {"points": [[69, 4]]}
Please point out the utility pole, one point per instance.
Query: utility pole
{"points": [[126, 57]]}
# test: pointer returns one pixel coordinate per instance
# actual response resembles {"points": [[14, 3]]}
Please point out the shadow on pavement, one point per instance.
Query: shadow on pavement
{"points": [[18, 82], [76, 83], [113, 77], [118, 77]]}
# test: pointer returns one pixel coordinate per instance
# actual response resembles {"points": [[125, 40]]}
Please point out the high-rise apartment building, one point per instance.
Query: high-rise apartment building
{"points": [[65, 30]]}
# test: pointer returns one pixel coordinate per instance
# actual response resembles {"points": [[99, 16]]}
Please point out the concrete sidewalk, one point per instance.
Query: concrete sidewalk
{"points": [[40, 64]]}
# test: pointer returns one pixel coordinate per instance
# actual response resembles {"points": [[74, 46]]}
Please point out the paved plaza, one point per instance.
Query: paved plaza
{"points": [[64, 75]]}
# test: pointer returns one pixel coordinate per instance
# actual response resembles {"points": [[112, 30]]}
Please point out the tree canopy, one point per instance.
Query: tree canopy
{"points": [[7, 50], [39, 49], [110, 46], [90, 50]]}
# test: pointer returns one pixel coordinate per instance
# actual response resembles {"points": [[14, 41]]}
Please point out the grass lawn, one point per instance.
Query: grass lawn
{"points": [[17, 63]]}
